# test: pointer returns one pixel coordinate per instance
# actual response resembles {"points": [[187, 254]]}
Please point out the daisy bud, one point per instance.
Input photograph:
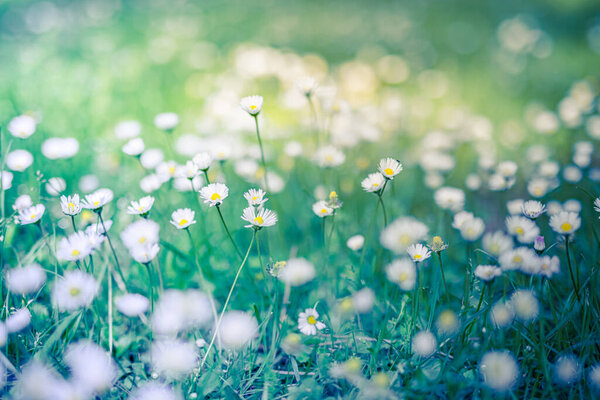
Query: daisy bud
{"points": [[539, 244]]}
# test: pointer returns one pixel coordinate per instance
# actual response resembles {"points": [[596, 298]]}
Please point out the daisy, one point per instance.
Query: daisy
{"points": [[418, 252], [449, 198], [523, 228], [145, 253], [329, 156], [60, 148], [297, 272], [403, 232], [533, 209], [549, 266], [373, 183], [174, 358], [472, 229], [516, 258], [487, 272], [74, 290], [31, 215], [190, 170], [259, 218], [152, 390], [74, 248], [597, 204], [214, 194], [166, 121], [70, 205], [134, 147], [139, 233], [55, 186], [22, 126], [499, 370], [22, 202], [25, 280], [237, 330], [6, 178], [203, 161], [255, 197], [308, 322], [403, 273], [389, 167], [424, 344], [128, 129], [307, 85], [91, 366], [496, 243], [141, 207], [252, 104], [565, 223], [322, 209], [182, 218], [19, 160], [95, 201], [525, 305], [132, 304]]}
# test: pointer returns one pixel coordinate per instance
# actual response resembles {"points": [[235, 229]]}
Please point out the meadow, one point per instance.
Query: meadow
{"points": [[303, 200]]}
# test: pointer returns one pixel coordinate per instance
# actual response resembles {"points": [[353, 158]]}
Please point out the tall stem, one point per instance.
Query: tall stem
{"points": [[313, 113], [362, 256], [148, 266], [262, 153], [114, 253], [439, 254], [110, 316], [575, 286], [237, 275], [228, 233]]}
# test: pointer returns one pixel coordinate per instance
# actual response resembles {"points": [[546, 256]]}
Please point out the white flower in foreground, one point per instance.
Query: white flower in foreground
{"points": [[134, 147], [188, 171], [74, 248], [523, 228], [497, 243], [76, 289], [139, 233], [308, 322], [449, 198], [597, 205], [424, 344], [132, 304], [70, 205], [174, 358], [214, 194], [255, 197], [402, 272], [549, 266], [91, 366], [237, 329], [3, 335], [418, 252], [525, 305], [166, 121], [128, 129], [182, 218], [515, 259], [259, 218], [141, 207], [533, 209], [356, 242], [31, 215], [373, 183], [487, 272], [329, 156], [322, 209], [25, 280], [22, 202], [472, 229], [22, 126], [447, 323], [594, 377], [363, 300], [145, 253], [6, 179], [389, 167], [252, 104], [179, 310], [567, 369], [151, 158], [297, 272], [95, 201], [152, 390], [36, 381], [60, 148], [565, 223], [501, 314], [18, 320], [19, 160], [403, 232], [499, 370], [203, 160]]}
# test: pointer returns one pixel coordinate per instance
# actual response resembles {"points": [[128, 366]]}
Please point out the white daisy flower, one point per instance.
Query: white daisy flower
{"points": [[549, 266], [174, 358], [307, 85], [255, 197], [259, 218], [134, 147], [60, 148], [31, 215], [389, 167], [166, 121], [91, 366], [533, 209], [418, 252], [329, 156], [321, 209], [308, 322], [70, 205], [496, 243], [297, 272], [487, 272], [403, 273], [141, 207], [144, 253], [151, 158], [95, 201], [74, 248], [403, 232], [19, 160], [525, 305], [128, 129], [22, 202], [356, 242], [523, 228], [182, 218], [565, 223], [150, 183], [22, 126], [167, 170], [499, 370], [152, 390], [132, 304], [18, 320], [6, 180], [501, 314], [373, 183], [214, 194], [76, 289], [472, 229], [203, 160], [515, 259], [507, 169], [25, 280], [597, 205], [139, 233], [237, 330], [567, 369], [55, 186], [424, 344], [189, 171], [449, 198], [178, 311], [252, 104]]}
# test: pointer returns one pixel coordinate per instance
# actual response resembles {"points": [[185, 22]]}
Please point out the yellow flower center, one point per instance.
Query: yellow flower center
{"points": [[32, 216], [215, 196], [417, 256], [71, 206], [311, 320], [96, 203], [75, 252], [74, 291], [388, 171], [171, 170], [254, 198], [404, 239], [517, 259], [520, 230], [323, 211], [258, 220], [566, 227], [403, 276], [253, 107], [544, 266], [140, 209], [183, 222], [375, 184], [142, 240]]}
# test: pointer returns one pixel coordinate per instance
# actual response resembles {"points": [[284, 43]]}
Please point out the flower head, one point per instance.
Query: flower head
{"points": [[141, 207], [166, 121], [203, 160], [308, 322], [252, 104], [389, 167], [259, 218], [437, 244], [182, 218], [22, 126], [297, 272], [255, 197], [76, 289], [322, 209], [95, 201], [74, 248], [403, 273], [31, 215], [487, 272], [499, 370], [418, 252], [214, 194], [70, 205], [565, 223], [373, 183]]}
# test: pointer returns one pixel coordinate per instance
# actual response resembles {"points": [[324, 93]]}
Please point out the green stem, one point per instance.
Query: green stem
{"points": [[73, 223], [112, 249], [575, 287], [439, 254], [262, 153], [150, 285], [205, 171], [228, 233]]}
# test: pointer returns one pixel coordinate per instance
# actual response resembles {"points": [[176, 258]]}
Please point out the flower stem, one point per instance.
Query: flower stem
{"points": [[439, 254], [73, 223], [575, 287], [262, 153], [228, 233], [114, 253], [148, 266], [110, 316], [237, 275]]}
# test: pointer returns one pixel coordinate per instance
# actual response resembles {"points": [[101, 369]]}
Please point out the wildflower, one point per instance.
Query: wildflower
{"points": [[447, 323], [499, 370], [22, 126], [424, 344], [55, 186], [403, 273], [152, 390], [128, 129], [437, 244], [329, 156], [516, 258], [523, 228], [539, 244], [334, 201], [533, 209], [151, 158], [70, 205], [174, 358], [389, 168], [507, 169], [25, 280], [594, 377], [307, 85], [565, 223], [140, 232], [6, 178], [401, 233], [567, 369], [549, 266], [237, 329], [22, 202], [98, 199], [297, 272], [449, 198], [373, 183], [418, 252], [259, 218], [497, 243], [19, 160], [189, 171], [355, 242], [255, 197], [363, 300], [141, 207], [252, 104], [135, 147], [90, 366], [203, 161], [487, 272], [178, 311], [182, 218], [18, 320], [31, 215], [132, 304], [322, 209], [74, 248], [166, 121], [214, 193], [60, 148], [472, 229], [525, 305], [76, 289], [292, 344], [501, 315], [144, 253], [597, 204], [308, 322]]}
